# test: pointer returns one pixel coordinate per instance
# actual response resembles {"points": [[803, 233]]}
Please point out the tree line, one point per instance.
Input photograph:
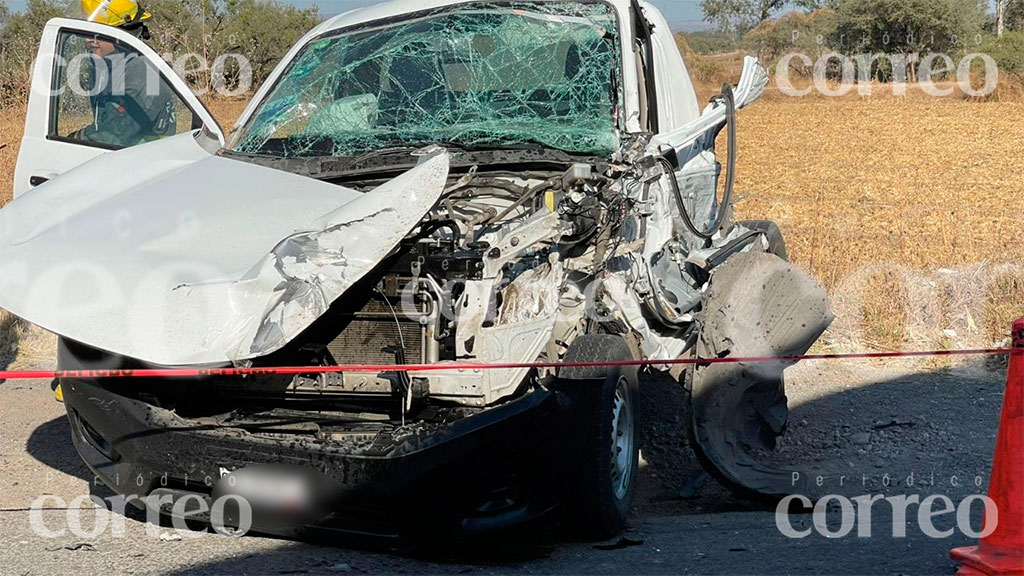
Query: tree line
{"points": [[737, 17], [260, 30], [773, 28]]}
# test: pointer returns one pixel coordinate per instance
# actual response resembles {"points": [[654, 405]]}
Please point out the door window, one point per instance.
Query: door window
{"points": [[108, 95]]}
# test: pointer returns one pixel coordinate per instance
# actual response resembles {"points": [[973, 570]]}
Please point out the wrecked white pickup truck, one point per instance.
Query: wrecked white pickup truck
{"points": [[435, 182]]}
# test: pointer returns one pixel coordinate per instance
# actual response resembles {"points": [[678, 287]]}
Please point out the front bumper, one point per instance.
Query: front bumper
{"points": [[500, 468]]}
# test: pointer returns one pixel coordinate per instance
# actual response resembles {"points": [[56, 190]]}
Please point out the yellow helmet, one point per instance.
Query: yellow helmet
{"points": [[114, 12]]}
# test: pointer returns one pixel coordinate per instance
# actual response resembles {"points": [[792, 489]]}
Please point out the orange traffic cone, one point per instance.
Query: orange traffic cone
{"points": [[1002, 552]]}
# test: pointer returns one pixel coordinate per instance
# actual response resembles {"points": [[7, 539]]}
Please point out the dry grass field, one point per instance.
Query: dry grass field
{"points": [[909, 210], [11, 128]]}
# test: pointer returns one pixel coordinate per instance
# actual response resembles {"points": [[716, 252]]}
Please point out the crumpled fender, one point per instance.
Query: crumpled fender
{"points": [[191, 258], [757, 305]]}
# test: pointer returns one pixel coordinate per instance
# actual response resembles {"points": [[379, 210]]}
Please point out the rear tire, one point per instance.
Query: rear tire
{"points": [[607, 405]]}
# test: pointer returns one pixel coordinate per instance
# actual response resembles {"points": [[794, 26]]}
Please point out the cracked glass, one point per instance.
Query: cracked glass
{"points": [[109, 94], [471, 76]]}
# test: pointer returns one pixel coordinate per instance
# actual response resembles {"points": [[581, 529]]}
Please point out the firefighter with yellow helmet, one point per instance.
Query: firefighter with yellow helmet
{"points": [[125, 14], [130, 103], [128, 108]]}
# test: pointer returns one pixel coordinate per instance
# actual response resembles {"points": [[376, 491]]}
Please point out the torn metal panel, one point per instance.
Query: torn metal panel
{"points": [[753, 80], [698, 184], [518, 332], [184, 263], [541, 228], [758, 305], [669, 245], [624, 303], [533, 294], [517, 342]]}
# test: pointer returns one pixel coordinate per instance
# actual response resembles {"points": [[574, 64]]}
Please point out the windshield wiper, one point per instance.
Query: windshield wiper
{"points": [[404, 149], [389, 158], [450, 145]]}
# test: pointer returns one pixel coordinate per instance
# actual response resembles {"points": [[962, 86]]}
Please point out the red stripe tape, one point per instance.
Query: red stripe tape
{"points": [[292, 370]]}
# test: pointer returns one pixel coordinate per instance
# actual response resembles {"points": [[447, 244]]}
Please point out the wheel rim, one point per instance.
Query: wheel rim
{"points": [[622, 439]]}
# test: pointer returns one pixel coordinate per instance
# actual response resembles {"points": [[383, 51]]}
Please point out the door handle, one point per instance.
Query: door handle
{"points": [[37, 179]]}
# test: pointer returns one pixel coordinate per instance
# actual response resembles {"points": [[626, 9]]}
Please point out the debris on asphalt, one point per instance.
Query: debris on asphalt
{"points": [[77, 546], [892, 424], [861, 438], [622, 542]]}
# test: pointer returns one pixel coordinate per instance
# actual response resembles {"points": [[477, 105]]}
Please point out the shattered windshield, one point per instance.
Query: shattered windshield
{"points": [[473, 76]]}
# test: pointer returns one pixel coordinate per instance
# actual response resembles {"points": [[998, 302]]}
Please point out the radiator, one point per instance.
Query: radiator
{"points": [[374, 328]]}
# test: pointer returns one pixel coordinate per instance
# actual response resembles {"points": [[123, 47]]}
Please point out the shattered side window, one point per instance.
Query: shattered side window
{"points": [[475, 75]]}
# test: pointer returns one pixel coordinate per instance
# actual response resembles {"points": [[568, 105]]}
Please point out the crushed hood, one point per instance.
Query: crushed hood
{"points": [[175, 256]]}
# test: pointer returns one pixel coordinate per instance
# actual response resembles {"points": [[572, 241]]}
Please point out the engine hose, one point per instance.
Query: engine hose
{"points": [[490, 223], [429, 227], [730, 174]]}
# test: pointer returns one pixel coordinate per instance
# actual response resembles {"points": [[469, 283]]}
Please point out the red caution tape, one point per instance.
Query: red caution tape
{"points": [[292, 370]]}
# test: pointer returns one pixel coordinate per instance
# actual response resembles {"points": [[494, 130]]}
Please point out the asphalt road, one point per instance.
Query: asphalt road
{"points": [[858, 422]]}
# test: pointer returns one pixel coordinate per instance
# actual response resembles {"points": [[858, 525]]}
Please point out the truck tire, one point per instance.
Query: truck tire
{"points": [[776, 243], [607, 409]]}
